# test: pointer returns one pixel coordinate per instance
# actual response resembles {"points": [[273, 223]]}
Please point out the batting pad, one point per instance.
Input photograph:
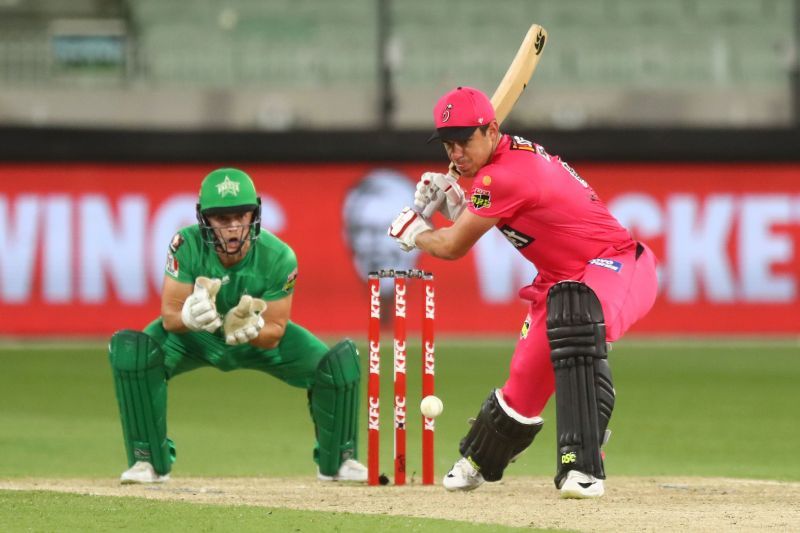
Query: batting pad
{"points": [[334, 406], [497, 436], [141, 387], [584, 389]]}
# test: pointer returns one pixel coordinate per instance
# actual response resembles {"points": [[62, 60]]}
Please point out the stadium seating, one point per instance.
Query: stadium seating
{"points": [[610, 45]]}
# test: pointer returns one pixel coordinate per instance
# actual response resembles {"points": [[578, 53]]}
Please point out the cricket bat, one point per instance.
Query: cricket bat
{"points": [[511, 87]]}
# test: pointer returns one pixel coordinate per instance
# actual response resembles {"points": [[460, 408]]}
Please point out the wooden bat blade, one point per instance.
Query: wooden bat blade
{"points": [[519, 72], [517, 76]]}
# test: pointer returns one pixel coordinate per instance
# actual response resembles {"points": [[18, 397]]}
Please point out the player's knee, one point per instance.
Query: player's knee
{"points": [[130, 350], [575, 322], [340, 367]]}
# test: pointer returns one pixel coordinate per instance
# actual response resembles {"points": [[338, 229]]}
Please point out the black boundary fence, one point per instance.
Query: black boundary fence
{"points": [[19, 144]]}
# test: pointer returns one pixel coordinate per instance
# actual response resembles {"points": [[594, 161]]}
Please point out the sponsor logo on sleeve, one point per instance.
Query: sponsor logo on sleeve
{"points": [[291, 279], [610, 264], [172, 265], [520, 143], [176, 242], [542, 152], [574, 174], [517, 238], [481, 198]]}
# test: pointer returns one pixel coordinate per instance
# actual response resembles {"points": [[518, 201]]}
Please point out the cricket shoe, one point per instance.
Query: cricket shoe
{"points": [[142, 472], [351, 470], [580, 485], [463, 476]]}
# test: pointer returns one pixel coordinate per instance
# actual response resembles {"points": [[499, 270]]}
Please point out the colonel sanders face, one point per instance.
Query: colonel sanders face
{"points": [[369, 209]]}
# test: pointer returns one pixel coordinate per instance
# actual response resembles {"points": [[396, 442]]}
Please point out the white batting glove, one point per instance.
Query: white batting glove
{"points": [[437, 191], [407, 226], [199, 311], [243, 322]]}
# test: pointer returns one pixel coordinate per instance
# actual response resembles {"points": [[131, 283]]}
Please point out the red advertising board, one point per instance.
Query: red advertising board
{"points": [[82, 246]]}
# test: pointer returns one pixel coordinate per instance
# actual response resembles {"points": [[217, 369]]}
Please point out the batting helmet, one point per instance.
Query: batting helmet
{"points": [[223, 191]]}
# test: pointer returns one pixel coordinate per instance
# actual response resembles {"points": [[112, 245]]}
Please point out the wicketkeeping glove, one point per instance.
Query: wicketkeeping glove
{"points": [[437, 191], [243, 322], [407, 226], [199, 311]]}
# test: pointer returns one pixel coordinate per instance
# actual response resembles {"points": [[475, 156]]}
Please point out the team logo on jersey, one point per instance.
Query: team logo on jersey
{"points": [[481, 198], [519, 143], [610, 264], [172, 265], [176, 242], [291, 279], [225, 279], [518, 239], [228, 188], [526, 327]]}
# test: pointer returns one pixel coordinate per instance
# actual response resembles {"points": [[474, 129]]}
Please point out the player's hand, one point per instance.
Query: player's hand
{"points": [[243, 322], [199, 310], [437, 191], [407, 226], [426, 192]]}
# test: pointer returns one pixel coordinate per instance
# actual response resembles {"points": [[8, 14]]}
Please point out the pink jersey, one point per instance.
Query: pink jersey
{"points": [[546, 210]]}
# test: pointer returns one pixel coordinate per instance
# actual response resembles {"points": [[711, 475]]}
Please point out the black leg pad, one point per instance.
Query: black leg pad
{"points": [[584, 389], [495, 438]]}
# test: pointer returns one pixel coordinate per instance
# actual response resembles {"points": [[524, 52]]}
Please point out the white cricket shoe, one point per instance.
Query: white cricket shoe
{"points": [[580, 485], [463, 476], [351, 470], [142, 472]]}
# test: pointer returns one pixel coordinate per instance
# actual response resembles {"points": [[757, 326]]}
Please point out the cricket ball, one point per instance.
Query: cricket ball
{"points": [[431, 406]]}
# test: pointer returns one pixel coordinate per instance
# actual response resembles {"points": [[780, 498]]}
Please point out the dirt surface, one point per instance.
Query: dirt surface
{"points": [[630, 504]]}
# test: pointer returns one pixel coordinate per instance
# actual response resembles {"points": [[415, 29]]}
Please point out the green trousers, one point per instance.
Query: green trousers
{"points": [[294, 361]]}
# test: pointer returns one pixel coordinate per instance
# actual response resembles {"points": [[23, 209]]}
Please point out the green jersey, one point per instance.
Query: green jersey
{"points": [[268, 271]]}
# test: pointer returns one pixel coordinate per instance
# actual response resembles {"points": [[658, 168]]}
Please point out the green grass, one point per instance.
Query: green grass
{"points": [[22, 511], [682, 409]]}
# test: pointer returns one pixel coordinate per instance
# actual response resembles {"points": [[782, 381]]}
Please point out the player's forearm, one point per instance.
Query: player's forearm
{"points": [[440, 243], [172, 321], [269, 336]]}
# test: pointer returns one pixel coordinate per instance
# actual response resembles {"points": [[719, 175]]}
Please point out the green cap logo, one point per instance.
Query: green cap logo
{"points": [[228, 188], [225, 189]]}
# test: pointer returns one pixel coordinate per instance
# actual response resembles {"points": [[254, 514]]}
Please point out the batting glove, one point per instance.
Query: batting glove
{"points": [[439, 192], [199, 311], [243, 322], [407, 226]]}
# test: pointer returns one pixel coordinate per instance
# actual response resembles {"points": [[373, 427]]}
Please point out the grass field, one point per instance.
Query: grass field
{"points": [[683, 409]]}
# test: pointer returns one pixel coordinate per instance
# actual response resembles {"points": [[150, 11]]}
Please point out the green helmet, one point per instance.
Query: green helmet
{"points": [[227, 190]]}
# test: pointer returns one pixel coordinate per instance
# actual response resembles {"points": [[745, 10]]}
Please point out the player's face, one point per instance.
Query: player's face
{"points": [[232, 229], [470, 155]]}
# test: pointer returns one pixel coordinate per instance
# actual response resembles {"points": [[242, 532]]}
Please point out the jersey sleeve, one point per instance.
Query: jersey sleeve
{"points": [[179, 259], [497, 193], [284, 277]]}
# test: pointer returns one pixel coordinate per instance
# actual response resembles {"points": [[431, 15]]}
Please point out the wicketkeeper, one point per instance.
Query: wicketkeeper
{"points": [[594, 282], [226, 303]]}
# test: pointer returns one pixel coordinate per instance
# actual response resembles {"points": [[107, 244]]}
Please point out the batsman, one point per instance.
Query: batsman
{"points": [[226, 303], [594, 282]]}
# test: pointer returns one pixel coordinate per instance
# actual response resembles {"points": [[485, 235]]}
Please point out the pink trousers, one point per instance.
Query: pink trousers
{"points": [[626, 287]]}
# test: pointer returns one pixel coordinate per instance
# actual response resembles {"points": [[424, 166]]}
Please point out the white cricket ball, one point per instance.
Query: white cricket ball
{"points": [[431, 406]]}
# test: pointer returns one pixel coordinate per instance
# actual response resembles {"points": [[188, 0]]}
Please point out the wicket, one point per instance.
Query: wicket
{"points": [[428, 372]]}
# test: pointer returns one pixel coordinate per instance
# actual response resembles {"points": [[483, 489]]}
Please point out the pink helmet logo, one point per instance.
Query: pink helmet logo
{"points": [[446, 113]]}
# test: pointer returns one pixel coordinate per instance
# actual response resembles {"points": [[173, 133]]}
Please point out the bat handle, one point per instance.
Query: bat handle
{"points": [[431, 208], [453, 171]]}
